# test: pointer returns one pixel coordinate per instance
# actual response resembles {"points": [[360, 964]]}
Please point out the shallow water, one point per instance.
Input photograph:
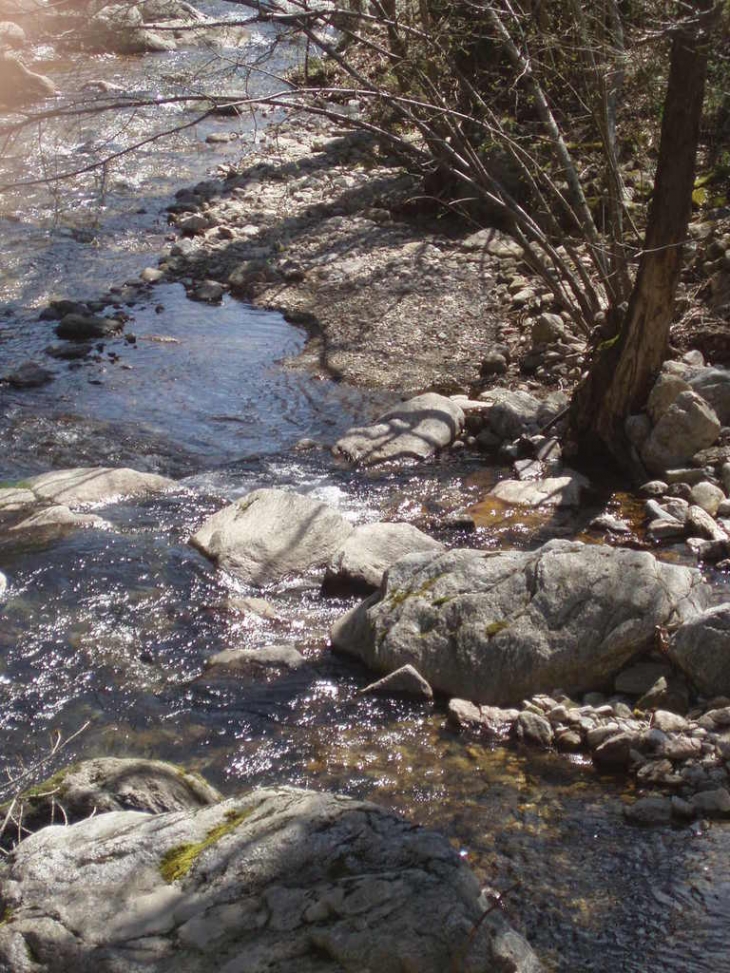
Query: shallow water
{"points": [[114, 626]]}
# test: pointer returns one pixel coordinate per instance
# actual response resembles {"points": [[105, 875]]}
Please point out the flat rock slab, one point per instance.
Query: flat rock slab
{"points": [[553, 491], [271, 534], [276, 881], [97, 484], [370, 550], [499, 627], [416, 429]]}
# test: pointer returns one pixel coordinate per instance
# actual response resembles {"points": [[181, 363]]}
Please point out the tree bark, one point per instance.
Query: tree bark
{"points": [[622, 375]]}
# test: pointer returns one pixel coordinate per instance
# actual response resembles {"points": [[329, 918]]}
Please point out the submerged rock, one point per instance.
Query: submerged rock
{"points": [[276, 881], [29, 376], [415, 429], [370, 550], [497, 627], [82, 327], [95, 484], [270, 534]]}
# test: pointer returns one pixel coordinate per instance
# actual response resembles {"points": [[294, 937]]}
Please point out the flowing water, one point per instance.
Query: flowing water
{"points": [[112, 627]]}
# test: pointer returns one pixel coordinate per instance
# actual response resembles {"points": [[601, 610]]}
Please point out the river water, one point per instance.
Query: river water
{"points": [[113, 627]]}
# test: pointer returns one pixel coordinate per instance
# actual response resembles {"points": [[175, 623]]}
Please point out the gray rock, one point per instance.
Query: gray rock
{"points": [[654, 488], [669, 722], [405, 681], [491, 721], [113, 784], [271, 534], [555, 491], [713, 384], [666, 389], [547, 328], [637, 429], [513, 413], [15, 498], [81, 327], [534, 728], [701, 648], [370, 550], [689, 476], [650, 810], [29, 376], [708, 496], [666, 529], [277, 880], [687, 426], [610, 523], [96, 484], [59, 515], [267, 657], [615, 752], [3, 584], [639, 677], [253, 606], [415, 429], [712, 804], [208, 291], [667, 693], [700, 524], [499, 627]]}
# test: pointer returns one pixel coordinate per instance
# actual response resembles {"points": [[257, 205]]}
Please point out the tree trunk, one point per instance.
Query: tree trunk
{"points": [[622, 375]]}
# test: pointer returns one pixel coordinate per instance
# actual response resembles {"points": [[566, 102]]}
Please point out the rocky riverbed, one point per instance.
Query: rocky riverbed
{"points": [[532, 692]]}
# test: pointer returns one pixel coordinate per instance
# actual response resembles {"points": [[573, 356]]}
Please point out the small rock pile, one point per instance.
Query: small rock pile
{"points": [[683, 757], [684, 439]]}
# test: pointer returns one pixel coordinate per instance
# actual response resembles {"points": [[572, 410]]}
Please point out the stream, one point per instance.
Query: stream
{"points": [[112, 627]]}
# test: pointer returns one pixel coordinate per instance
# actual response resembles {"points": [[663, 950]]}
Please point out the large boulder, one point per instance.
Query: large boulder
{"points": [[270, 534], [701, 647], [498, 627], [370, 550], [413, 430], [21, 86], [95, 484], [112, 784], [276, 881], [686, 427]]}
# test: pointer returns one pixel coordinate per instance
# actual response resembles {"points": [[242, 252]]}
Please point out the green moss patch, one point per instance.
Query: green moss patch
{"points": [[177, 862]]}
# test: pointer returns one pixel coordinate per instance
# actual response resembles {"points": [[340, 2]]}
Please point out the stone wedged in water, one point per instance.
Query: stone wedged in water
{"points": [[370, 550], [415, 429], [498, 627], [405, 681], [19, 85], [554, 491], [701, 648], [280, 656], [95, 484], [113, 784], [270, 534], [81, 327], [59, 516], [272, 882]]}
